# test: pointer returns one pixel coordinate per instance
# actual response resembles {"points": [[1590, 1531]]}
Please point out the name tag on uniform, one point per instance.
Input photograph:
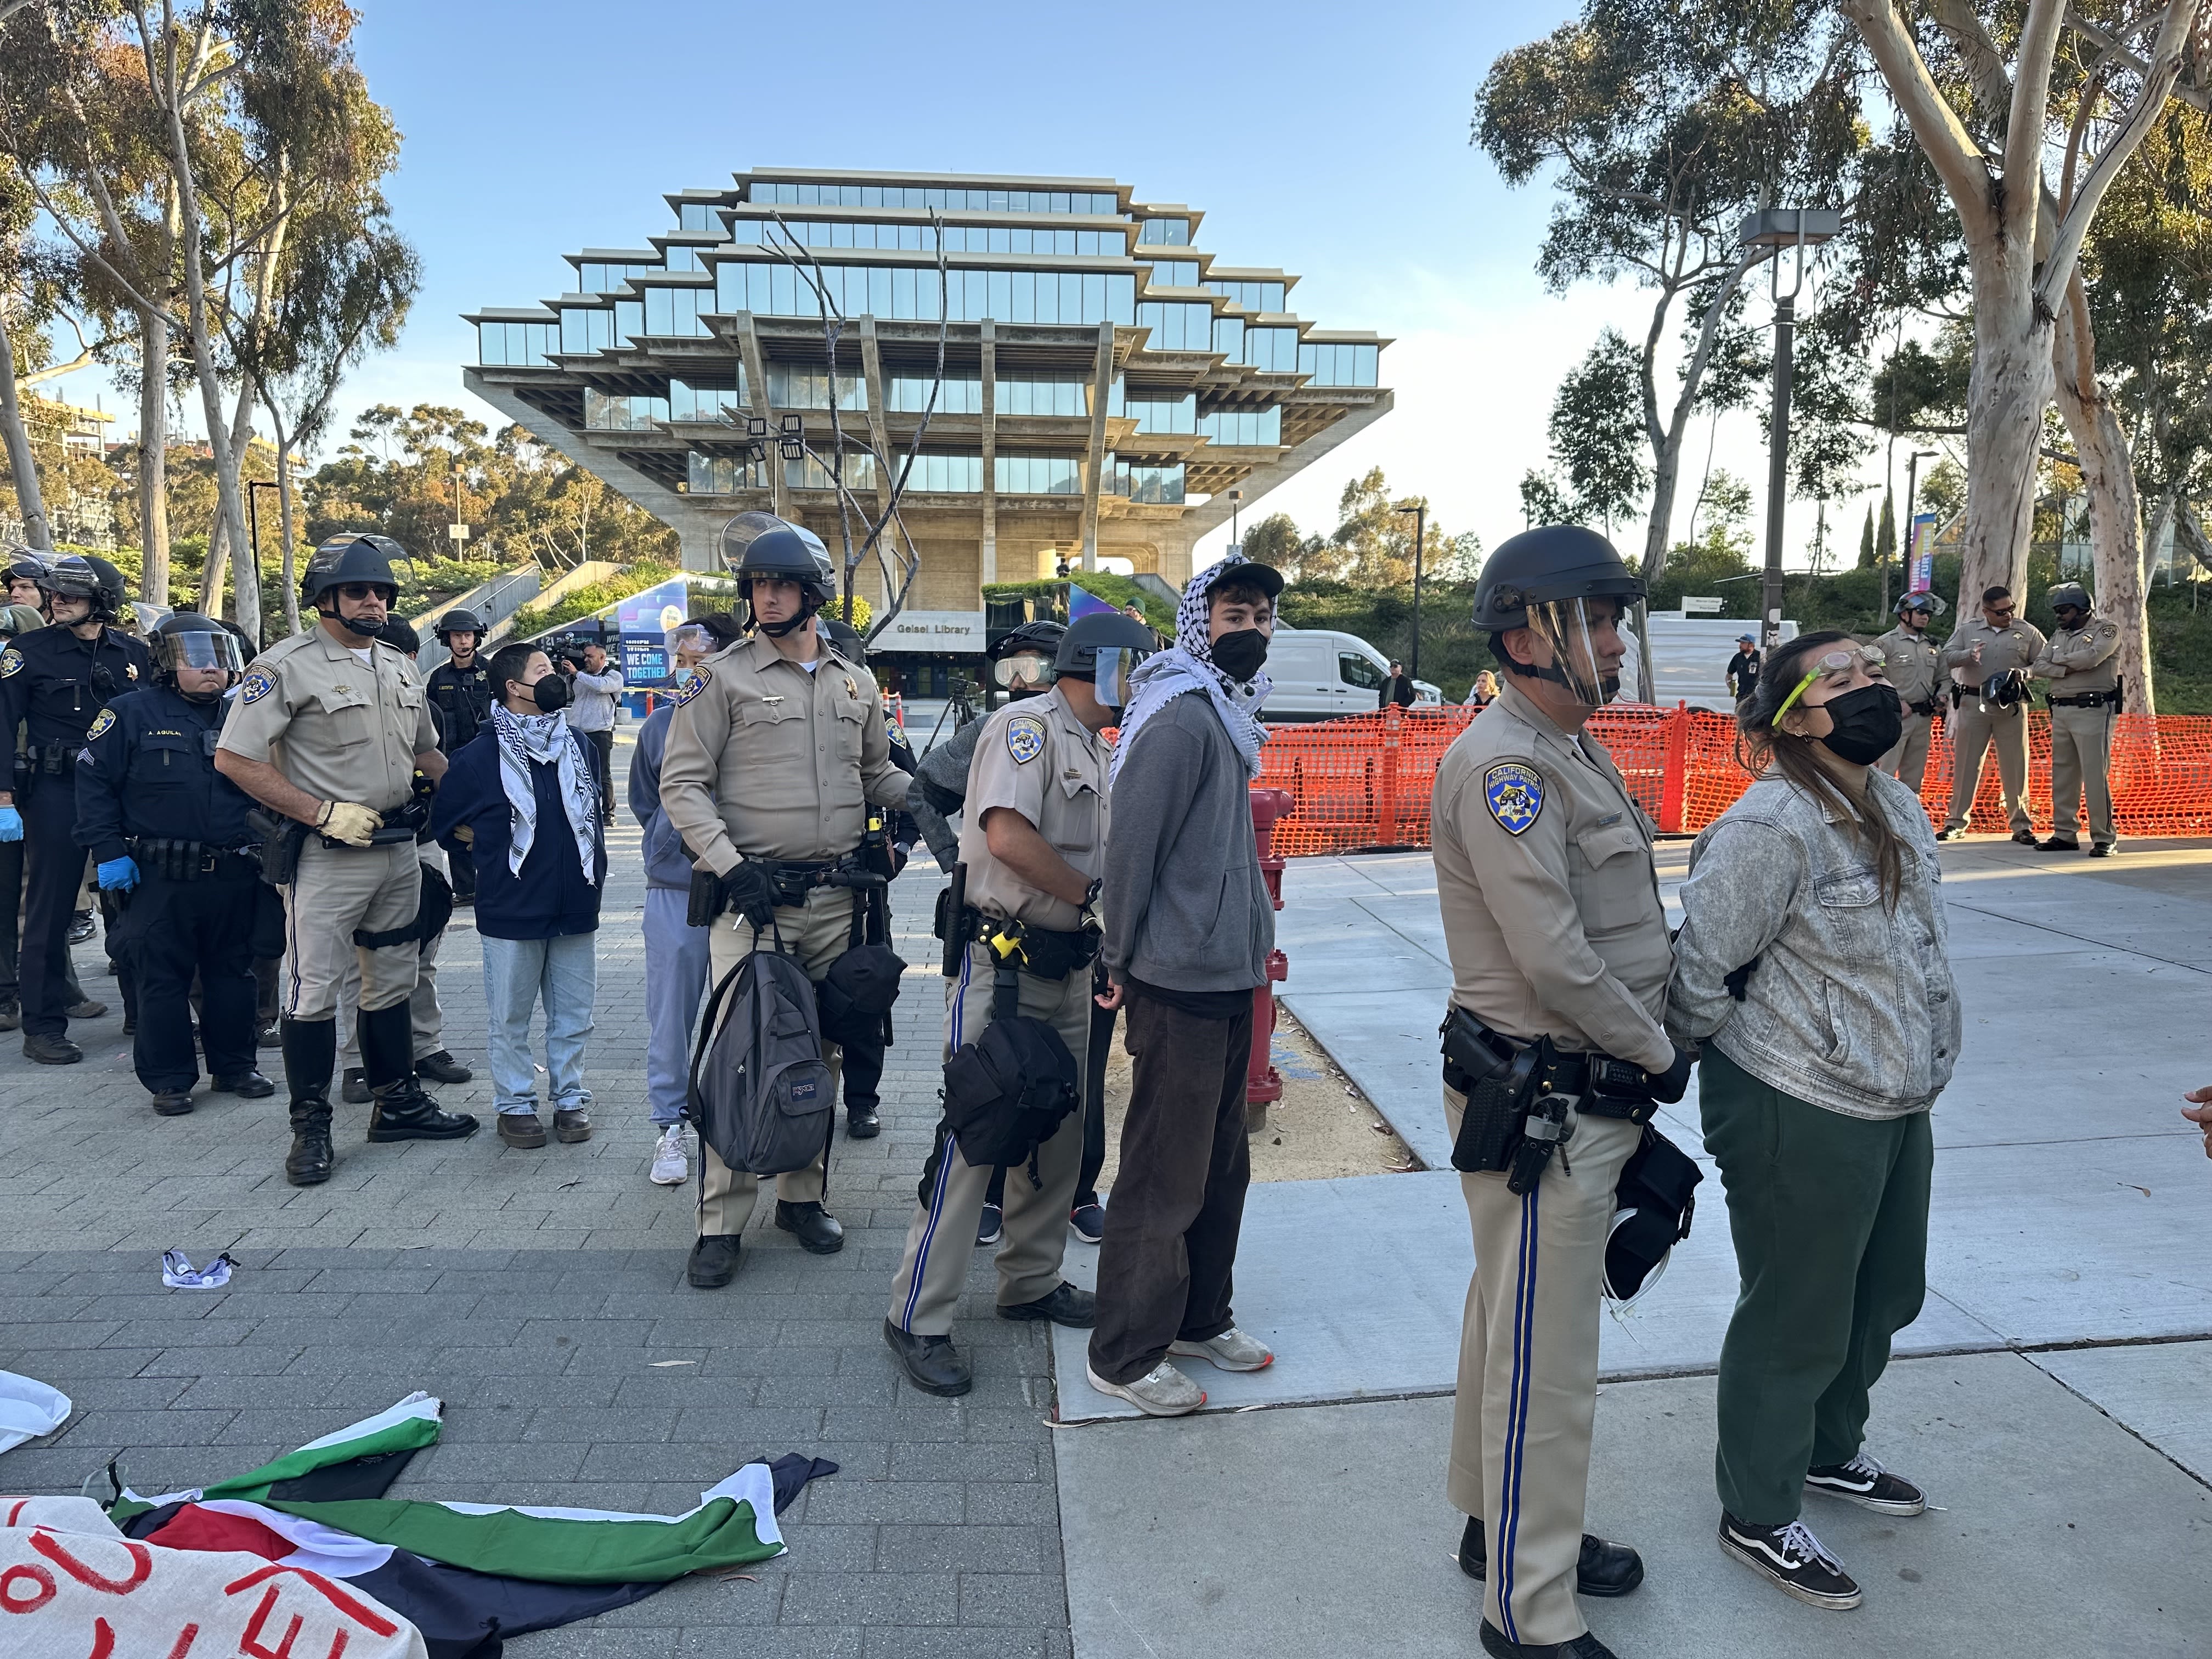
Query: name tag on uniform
{"points": [[1610, 817]]}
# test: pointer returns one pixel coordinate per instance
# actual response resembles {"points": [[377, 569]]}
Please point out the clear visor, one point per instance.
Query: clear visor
{"points": [[1024, 670], [197, 650], [1115, 663], [1586, 646]]}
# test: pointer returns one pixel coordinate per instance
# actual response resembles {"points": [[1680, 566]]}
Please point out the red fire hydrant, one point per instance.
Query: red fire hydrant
{"points": [[1262, 1082]]}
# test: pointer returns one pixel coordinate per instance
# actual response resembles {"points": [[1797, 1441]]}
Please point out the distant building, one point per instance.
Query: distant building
{"points": [[1106, 382]]}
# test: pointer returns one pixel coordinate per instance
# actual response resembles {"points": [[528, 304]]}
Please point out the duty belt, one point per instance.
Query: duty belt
{"points": [[188, 860], [2088, 700], [1040, 952], [1608, 1086]]}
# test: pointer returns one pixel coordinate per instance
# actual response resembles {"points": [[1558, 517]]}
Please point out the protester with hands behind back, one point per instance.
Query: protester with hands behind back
{"points": [[1812, 966]]}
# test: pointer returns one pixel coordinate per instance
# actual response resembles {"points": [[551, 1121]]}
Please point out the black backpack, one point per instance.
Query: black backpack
{"points": [[761, 1094], [1007, 1091]]}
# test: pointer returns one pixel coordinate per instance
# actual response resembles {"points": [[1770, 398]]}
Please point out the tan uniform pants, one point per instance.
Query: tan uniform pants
{"points": [[940, 1240], [1527, 1374], [1908, 762], [1972, 731], [334, 892], [2080, 757], [820, 931], [426, 1018]]}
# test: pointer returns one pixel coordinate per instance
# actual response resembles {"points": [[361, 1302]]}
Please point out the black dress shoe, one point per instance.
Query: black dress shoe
{"points": [[52, 1050], [714, 1262], [863, 1124], [442, 1068], [1063, 1305], [80, 927], [1605, 1569], [172, 1103], [354, 1090], [2103, 849], [932, 1364], [251, 1086], [2025, 837], [816, 1228], [2055, 845], [1585, 1646], [403, 1112]]}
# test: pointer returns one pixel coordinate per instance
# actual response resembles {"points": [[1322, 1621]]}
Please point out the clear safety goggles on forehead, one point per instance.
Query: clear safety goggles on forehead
{"points": [[1868, 657], [1022, 668], [1116, 663], [1568, 627], [199, 650]]}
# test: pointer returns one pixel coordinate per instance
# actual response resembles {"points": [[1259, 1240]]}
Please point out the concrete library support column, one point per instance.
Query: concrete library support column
{"points": [[1094, 466], [988, 564]]}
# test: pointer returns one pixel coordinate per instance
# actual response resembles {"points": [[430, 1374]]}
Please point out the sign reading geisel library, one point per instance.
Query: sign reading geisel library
{"points": [[960, 631]]}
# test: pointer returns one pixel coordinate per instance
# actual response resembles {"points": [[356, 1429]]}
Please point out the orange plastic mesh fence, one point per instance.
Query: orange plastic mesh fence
{"points": [[1365, 782]]}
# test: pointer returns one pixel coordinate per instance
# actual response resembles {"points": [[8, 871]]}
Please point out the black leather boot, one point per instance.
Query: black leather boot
{"points": [[403, 1112], [308, 1163], [816, 1228], [932, 1364]]}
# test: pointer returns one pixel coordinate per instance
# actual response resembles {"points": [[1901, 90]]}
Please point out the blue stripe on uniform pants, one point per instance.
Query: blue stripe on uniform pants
{"points": [[951, 1149], [1517, 1422]]}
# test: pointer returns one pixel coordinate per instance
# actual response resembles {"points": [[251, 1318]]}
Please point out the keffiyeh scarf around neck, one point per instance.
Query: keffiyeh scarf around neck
{"points": [[545, 738], [1188, 666]]}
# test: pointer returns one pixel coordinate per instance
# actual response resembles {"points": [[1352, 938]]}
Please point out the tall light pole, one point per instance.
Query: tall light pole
{"points": [[1419, 509], [1777, 228], [1236, 500]]}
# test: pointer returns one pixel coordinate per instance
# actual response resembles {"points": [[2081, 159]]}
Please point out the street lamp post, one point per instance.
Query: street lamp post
{"points": [[1419, 509], [1776, 228], [1236, 500]]}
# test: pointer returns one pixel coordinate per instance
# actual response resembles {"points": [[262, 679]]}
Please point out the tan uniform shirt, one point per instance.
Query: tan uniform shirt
{"points": [[1912, 663], [1551, 903], [2016, 645], [337, 727], [768, 760], [2079, 661], [1036, 758]]}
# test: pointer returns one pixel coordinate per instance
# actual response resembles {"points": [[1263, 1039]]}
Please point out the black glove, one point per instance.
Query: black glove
{"points": [[1668, 1086], [1740, 978], [747, 890]]}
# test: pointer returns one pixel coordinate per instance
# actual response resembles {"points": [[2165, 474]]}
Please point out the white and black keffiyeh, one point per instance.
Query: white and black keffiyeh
{"points": [[545, 738], [1188, 666]]}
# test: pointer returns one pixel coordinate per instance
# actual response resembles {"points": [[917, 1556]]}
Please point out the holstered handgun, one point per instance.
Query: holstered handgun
{"points": [[705, 900], [1545, 1129], [951, 909], [281, 840]]}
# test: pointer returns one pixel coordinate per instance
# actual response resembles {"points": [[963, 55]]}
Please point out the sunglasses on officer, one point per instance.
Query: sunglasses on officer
{"points": [[1835, 662], [358, 592]]}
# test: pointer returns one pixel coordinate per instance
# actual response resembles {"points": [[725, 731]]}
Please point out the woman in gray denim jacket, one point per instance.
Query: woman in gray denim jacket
{"points": [[1812, 967]]}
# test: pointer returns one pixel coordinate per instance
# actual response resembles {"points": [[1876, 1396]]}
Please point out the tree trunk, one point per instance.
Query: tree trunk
{"points": [[2100, 446], [284, 527], [30, 505], [2008, 390], [153, 456]]}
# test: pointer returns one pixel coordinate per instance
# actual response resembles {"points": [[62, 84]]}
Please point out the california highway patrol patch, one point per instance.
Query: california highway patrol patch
{"points": [[693, 686], [11, 662], [255, 686], [1515, 794], [1025, 738], [100, 727]]}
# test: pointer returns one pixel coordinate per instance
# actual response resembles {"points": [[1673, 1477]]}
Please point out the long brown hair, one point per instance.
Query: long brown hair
{"points": [[1761, 746]]}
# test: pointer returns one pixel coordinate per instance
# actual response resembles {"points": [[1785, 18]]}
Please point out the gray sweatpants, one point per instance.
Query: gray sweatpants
{"points": [[675, 981]]}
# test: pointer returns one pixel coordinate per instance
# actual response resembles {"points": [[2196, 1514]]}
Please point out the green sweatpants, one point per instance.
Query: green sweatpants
{"points": [[1829, 1214]]}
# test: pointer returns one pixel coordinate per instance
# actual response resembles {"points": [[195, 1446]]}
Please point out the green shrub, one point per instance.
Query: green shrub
{"points": [[535, 619]]}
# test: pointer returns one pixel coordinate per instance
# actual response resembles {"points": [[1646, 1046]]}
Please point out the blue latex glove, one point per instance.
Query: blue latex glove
{"points": [[121, 872], [11, 824]]}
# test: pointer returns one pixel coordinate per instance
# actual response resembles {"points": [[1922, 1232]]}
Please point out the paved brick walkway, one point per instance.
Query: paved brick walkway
{"points": [[541, 1295]]}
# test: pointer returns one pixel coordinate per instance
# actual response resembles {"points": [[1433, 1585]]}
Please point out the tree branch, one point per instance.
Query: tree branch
{"points": [[2196, 97], [2031, 108], [1950, 148]]}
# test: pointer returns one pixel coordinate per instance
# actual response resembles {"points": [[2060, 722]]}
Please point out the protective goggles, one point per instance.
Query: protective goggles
{"points": [[1116, 665], [198, 649], [1023, 668], [1836, 662], [1568, 626]]}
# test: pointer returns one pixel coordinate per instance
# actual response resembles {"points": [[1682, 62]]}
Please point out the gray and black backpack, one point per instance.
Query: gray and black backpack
{"points": [[761, 1094]]}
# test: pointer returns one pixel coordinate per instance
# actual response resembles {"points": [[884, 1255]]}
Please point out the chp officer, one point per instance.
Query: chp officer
{"points": [[1558, 942], [1997, 645], [460, 696], [1033, 843], [776, 751], [169, 832], [331, 730], [1914, 666], [2081, 662], [53, 682]]}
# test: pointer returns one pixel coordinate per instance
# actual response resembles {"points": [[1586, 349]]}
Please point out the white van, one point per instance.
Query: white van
{"points": [[1321, 675]]}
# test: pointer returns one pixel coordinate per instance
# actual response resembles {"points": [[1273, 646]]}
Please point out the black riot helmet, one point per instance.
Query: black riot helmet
{"points": [[185, 639], [846, 640], [74, 576], [352, 557], [2063, 594], [1547, 579], [25, 564], [1105, 649], [459, 620], [1920, 600], [400, 636], [761, 544], [1014, 664]]}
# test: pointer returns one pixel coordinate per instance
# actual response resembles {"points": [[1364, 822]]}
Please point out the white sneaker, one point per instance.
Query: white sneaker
{"points": [[1232, 1351], [671, 1164], [1162, 1391]]}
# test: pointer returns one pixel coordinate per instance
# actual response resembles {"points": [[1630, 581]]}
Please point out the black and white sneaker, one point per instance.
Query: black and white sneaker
{"points": [[1794, 1559], [1866, 1483]]}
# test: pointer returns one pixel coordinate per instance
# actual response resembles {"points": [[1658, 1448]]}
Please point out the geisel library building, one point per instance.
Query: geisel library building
{"points": [[1107, 382]]}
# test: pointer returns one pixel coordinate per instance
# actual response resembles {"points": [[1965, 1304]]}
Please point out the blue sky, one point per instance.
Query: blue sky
{"points": [[1329, 141]]}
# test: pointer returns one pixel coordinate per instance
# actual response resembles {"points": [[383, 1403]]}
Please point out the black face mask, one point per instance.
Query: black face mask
{"points": [[1240, 654], [1869, 722], [550, 693]]}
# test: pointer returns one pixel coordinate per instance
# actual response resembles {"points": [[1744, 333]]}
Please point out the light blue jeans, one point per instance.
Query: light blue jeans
{"points": [[519, 973], [675, 979]]}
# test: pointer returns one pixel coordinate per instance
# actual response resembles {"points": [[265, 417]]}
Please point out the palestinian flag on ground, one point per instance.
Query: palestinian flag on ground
{"points": [[466, 1574]]}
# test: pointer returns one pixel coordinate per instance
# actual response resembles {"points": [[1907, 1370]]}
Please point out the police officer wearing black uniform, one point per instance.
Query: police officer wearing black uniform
{"points": [[460, 696], [55, 681], [167, 830]]}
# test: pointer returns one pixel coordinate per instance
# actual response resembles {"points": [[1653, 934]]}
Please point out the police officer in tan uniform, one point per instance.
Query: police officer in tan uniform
{"points": [[1559, 960], [776, 751], [1033, 844], [1996, 645], [2081, 662], [1914, 666], [332, 729]]}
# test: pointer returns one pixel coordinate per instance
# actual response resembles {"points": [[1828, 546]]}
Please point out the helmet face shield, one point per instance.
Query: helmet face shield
{"points": [[197, 648], [1584, 638], [1115, 663]]}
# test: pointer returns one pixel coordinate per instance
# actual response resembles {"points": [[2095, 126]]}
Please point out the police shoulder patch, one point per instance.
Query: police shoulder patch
{"points": [[11, 662], [693, 686], [1514, 792], [100, 726], [255, 686], [1025, 738]]}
